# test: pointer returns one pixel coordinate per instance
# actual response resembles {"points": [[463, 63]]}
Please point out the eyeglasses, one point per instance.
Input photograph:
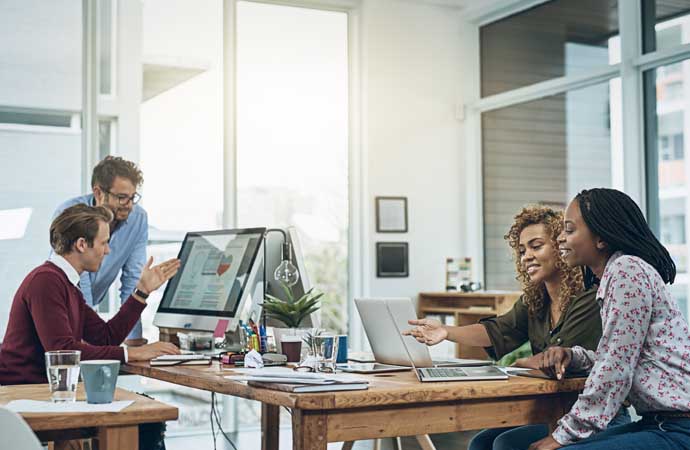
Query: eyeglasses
{"points": [[323, 369], [123, 199]]}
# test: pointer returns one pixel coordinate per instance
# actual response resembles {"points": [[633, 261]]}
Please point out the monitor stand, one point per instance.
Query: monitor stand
{"points": [[166, 334]]}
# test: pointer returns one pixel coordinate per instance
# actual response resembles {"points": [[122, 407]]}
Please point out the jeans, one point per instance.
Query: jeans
{"points": [[648, 433], [521, 437]]}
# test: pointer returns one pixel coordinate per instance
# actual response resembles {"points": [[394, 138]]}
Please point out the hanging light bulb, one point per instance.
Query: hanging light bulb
{"points": [[286, 272]]}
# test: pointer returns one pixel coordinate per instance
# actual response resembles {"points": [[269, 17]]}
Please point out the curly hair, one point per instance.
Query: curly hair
{"points": [[534, 294]]}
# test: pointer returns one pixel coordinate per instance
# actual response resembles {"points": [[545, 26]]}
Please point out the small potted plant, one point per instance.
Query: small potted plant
{"points": [[291, 311]]}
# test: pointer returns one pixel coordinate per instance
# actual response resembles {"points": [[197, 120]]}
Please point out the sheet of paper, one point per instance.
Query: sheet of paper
{"points": [[37, 406], [279, 379]]}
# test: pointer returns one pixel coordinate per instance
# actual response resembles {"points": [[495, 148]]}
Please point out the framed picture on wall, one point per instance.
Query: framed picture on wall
{"points": [[391, 214], [392, 260]]}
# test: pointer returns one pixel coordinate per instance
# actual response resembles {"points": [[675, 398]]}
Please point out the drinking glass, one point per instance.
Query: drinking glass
{"points": [[326, 347], [62, 367]]}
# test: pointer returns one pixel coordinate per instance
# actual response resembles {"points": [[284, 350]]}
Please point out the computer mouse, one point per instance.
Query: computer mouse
{"points": [[274, 359]]}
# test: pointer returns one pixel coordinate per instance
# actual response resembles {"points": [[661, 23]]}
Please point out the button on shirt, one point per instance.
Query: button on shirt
{"points": [[127, 254], [644, 352]]}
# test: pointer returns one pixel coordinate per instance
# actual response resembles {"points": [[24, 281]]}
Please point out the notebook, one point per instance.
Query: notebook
{"points": [[302, 388], [181, 360]]}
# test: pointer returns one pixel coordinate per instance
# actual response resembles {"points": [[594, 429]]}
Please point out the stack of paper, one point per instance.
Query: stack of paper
{"points": [[286, 379], [185, 359]]}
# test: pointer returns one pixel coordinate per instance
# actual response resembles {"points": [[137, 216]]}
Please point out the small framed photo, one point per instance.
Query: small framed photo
{"points": [[391, 214], [392, 260]]}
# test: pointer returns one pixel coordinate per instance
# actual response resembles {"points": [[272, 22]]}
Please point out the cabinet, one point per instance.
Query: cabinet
{"points": [[466, 308]]}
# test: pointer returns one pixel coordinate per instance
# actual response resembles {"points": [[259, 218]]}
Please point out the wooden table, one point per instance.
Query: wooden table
{"points": [[466, 308], [395, 404], [114, 431]]}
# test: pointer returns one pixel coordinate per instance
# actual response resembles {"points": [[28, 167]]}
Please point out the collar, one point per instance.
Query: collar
{"points": [[66, 267], [606, 277]]}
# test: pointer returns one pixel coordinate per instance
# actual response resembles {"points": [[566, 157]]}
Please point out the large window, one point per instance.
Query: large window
{"points": [[40, 132], [544, 149], [544, 152], [556, 39], [181, 125], [292, 137], [668, 112], [602, 53]]}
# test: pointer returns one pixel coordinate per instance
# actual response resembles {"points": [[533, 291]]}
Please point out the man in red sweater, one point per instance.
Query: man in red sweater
{"points": [[49, 311]]}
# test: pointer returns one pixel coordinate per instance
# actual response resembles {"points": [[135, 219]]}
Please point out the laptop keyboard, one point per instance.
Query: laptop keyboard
{"points": [[444, 372]]}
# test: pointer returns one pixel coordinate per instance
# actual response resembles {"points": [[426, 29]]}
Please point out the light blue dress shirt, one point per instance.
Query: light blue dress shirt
{"points": [[127, 254]]}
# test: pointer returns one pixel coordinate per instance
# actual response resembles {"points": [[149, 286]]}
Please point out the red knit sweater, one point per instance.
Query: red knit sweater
{"points": [[49, 313]]}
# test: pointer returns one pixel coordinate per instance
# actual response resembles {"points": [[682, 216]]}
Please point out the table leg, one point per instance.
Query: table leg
{"points": [[424, 442], [309, 430], [118, 438], [270, 427]]}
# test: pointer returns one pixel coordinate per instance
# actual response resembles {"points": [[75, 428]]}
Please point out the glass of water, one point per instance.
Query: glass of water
{"points": [[326, 347], [62, 367]]}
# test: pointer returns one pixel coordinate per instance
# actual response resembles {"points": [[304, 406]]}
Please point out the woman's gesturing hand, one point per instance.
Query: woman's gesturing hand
{"points": [[427, 331]]}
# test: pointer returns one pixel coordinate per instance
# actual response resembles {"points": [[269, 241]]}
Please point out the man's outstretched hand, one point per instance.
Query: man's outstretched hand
{"points": [[153, 277]]}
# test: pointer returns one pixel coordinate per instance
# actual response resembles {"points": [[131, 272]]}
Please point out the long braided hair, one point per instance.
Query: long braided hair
{"points": [[618, 221], [534, 294]]}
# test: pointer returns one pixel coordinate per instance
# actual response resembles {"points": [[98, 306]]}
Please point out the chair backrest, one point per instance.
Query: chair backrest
{"points": [[16, 433]]}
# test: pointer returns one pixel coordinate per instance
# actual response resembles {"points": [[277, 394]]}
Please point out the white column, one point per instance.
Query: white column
{"points": [[89, 130], [632, 106]]}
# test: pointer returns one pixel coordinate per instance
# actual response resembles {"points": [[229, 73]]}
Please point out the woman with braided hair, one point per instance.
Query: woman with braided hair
{"points": [[644, 352], [554, 309]]}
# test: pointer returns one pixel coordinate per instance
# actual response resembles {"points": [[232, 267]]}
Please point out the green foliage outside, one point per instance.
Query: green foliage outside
{"points": [[521, 352], [328, 271]]}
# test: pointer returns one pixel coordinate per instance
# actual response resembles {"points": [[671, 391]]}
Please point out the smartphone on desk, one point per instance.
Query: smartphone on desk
{"points": [[537, 373]]}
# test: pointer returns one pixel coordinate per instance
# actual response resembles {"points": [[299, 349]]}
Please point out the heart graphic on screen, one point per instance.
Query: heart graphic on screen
{"points": [[224, 265]]}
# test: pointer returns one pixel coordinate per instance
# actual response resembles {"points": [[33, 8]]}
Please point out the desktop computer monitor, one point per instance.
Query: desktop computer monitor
{"points": [[219, 278]]}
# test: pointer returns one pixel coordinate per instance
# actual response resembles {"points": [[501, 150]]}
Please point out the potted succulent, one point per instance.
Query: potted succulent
{"points": [[291, 311]]}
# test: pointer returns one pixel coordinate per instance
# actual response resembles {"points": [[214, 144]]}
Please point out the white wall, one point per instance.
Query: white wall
{"points": [[412, 77]]}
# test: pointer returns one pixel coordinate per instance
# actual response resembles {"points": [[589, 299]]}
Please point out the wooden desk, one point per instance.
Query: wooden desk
{"points": [[114, 431], [395, 405], [466, 308]]}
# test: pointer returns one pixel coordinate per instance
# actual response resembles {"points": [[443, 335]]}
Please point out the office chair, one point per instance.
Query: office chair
{"points": [[16, 433]]}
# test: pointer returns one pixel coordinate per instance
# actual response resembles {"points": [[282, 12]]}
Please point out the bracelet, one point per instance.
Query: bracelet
{"points": [[138, 292]]}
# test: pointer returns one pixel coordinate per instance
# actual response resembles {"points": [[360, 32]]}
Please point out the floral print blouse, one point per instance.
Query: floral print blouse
{"points": [[643, 354]]}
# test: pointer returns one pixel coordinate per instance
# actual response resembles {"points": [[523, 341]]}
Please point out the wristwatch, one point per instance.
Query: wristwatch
{"points": [[138, 292]]}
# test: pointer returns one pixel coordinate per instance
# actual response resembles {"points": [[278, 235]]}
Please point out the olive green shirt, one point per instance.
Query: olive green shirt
{"points": [[579, 325]]}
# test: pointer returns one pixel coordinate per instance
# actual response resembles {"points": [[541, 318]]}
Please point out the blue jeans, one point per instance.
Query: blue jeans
{"points": [[521, 437], [648, 433]]}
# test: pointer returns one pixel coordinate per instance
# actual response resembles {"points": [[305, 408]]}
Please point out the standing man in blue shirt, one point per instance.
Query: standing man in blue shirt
{"points": [[114, 183]]}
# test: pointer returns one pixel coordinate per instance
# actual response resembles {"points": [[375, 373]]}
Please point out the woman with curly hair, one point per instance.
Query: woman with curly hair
{"points": [[554, 309]]}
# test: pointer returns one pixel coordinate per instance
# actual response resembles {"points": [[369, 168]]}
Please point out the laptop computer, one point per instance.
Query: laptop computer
{"points": [[389, 351], [427, 374]]}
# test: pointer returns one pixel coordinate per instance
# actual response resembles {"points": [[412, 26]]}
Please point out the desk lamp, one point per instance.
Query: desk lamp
{"points": [[286, 272]]}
